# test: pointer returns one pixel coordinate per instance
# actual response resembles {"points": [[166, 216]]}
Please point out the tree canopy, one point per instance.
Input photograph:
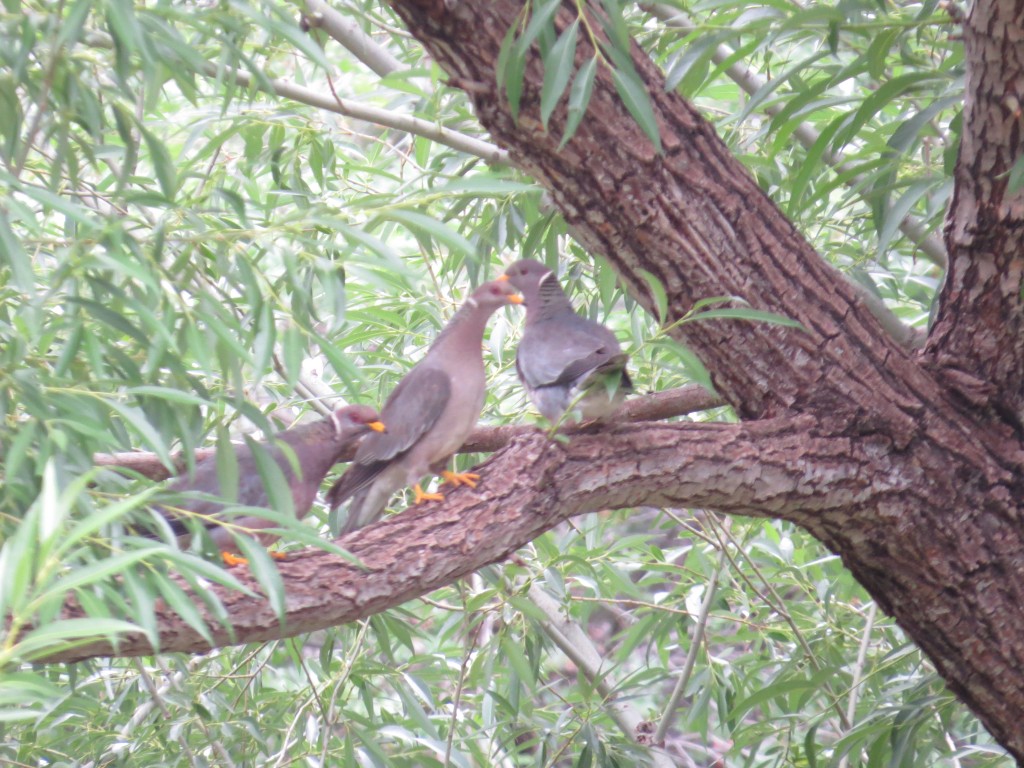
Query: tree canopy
{"points": [[221, 218]]}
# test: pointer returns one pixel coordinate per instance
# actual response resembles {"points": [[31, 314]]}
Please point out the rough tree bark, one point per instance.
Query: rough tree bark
{"points": [[908, 467]]}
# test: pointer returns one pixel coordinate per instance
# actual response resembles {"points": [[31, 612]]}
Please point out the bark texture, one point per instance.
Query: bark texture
{"points": [[932, 524], [978, 340]]}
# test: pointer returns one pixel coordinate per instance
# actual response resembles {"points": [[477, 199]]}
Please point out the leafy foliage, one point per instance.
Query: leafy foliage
{"points": [[185, 251]]}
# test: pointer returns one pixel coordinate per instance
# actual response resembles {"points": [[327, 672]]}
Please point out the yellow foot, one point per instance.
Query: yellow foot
{"points": [[279, 555], [461, 478], [422, 495], [230, 559]]}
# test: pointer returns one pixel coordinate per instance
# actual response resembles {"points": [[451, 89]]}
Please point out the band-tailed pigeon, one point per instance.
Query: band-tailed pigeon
{"points": [[429, 415], [566, 362], [311, 448]]}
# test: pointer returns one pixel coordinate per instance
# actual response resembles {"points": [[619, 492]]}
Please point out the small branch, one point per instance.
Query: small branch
{"points": [[691, 656], [575, 644], [777, 604], [348, 108], [655, 407], [858, 672], [346, 32], [457, 141], [156, 694]]}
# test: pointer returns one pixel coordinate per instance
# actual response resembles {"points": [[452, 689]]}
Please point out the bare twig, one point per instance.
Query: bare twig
{"points": [[691, 656], [858, 672], [458, 141]]}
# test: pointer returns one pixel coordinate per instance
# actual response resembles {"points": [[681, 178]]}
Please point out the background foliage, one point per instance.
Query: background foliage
{"points": [[188, 254]]}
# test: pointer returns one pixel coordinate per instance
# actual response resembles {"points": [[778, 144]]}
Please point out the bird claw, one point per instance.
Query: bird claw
{"points": [[422, 495], [230, 559], [461, 478]]}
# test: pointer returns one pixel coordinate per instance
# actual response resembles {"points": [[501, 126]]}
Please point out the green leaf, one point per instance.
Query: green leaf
{"points": [[543, 16], [73, 22], [266, 573], [168, 394], [510, 69], [746, 313], [91, 573], [558, 68], [432, 228], [634, 95], [658, 294], [137, 418], [1015, 178], [22, 694], [88, 526], [162, 163], [184, 605], [69, 633], [76, 213], [14, 256], [579, 99]]}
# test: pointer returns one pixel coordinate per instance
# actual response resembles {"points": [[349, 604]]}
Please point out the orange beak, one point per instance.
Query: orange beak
{"points": [[515, 298], [501, 278], [376, 426]]}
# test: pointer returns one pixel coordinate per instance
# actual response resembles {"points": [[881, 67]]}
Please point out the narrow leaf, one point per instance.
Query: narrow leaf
{"points": [[745, 313], [634, 95], [558, 66], [579, 99]]}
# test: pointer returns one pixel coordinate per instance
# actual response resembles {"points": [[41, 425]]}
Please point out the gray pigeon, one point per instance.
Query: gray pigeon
{"points": [[566, 362], [315, 447], [429, 415]]}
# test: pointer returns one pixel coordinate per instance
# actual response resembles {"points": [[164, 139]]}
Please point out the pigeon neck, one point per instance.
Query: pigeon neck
{"points": [[551, 302], [466, 325]]}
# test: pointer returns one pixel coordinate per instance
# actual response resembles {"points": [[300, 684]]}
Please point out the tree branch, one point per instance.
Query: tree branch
{"points": [[458, 141], [763, 468], [653, 407], [684, 221], [978, 334], [351, 37]]}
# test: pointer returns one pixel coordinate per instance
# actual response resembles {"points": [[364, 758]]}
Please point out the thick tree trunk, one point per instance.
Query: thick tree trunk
{"points": [[978, 339], [930, 519]]}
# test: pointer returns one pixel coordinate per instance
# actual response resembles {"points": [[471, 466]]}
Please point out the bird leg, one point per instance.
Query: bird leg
{"points": [[460, 478], [422, 495]]}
